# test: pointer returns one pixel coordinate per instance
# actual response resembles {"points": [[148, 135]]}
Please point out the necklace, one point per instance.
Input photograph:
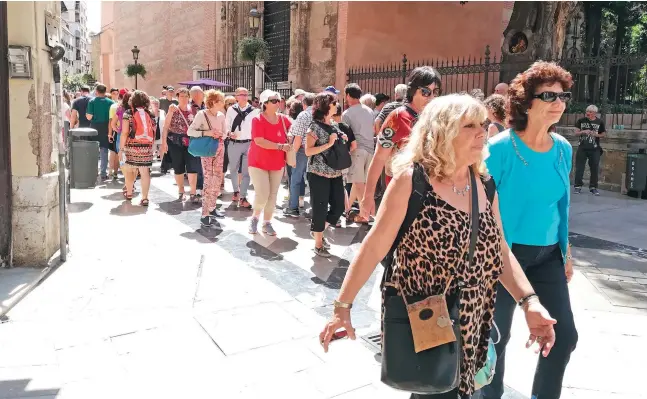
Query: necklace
{"points": [[459, 191]]}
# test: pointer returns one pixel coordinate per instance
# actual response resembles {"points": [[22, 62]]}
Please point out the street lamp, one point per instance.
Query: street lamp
{"points": [[135, 52], [87, 67], [254, 24]]}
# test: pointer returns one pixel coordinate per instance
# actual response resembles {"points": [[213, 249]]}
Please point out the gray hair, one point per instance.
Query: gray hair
{"points": [[368, 100], [592, 108], [196, 89], [400, 91]]}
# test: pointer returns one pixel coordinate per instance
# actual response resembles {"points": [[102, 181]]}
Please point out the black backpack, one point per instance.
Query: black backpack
{"points": [[337, 156], [419, 188], [238, 120]]}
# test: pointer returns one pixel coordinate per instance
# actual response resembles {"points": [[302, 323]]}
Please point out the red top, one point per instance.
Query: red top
{"points": [[395, 130], [262, 158]]}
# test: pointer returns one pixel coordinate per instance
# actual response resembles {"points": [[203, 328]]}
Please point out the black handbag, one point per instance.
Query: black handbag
{"points": [[435, 370]]}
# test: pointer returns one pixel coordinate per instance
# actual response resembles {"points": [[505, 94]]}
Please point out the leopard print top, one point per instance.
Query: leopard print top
{"points": [[435, 247]]}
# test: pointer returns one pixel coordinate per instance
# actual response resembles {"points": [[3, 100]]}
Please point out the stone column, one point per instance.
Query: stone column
{"points": [[299, 65], [196, 69], [34, 139]]}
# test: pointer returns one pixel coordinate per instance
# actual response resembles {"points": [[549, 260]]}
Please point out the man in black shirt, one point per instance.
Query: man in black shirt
{"points": [[166, 102], [79, 108], [589, 129]]}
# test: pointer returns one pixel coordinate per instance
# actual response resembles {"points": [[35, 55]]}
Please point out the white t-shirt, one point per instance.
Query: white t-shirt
{"points": [[65, 110], [245, 132]]}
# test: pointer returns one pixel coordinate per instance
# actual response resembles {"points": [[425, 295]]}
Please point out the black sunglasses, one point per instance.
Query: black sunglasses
{"points": [[427, 92], [272, 100], [551, 96]]}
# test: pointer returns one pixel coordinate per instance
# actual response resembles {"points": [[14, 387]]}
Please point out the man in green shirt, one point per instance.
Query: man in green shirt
{"points": [[98, 113]]}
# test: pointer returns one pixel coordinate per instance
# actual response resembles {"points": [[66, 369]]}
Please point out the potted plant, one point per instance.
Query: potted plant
{"points": [[134, 70], [254, 49]]}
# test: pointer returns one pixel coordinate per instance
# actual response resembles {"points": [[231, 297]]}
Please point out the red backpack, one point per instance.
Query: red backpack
{"points": [[143, 126]]}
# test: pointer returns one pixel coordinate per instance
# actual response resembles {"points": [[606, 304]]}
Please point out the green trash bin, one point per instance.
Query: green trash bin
{"points": [[636, 179], [84, 158]]}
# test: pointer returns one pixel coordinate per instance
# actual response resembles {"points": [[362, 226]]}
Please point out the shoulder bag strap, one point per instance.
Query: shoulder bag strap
{"points": [[474, 218], [285, 130], [206, 116], [183, 117]]}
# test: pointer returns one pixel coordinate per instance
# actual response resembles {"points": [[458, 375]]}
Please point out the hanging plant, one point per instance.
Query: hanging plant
{"points": [[253, 49], [133, 70]]}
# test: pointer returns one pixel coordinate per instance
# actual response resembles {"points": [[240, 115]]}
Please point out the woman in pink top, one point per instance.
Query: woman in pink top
{"points": [[211, 122]]}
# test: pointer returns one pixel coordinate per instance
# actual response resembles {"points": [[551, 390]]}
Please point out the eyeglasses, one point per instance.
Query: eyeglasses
{"points": [[427, 92], [272, 100], [551, 96], [242, 95]]}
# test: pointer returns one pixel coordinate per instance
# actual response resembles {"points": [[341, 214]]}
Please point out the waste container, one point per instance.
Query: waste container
{"points": [[84, 157], [636, 179]]}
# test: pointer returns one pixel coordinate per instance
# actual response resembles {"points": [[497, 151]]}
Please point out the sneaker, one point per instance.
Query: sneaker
{"points": [[293, 213], [595, 192], [253, 226], [578, 190], [217, 214], [235, 197], [326, 244], [268, 229], [220, 196], [323, 252], [206, 221], [243, 203]]}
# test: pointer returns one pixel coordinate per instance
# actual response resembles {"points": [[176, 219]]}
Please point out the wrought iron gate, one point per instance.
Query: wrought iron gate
{"points": [[276, 31]]}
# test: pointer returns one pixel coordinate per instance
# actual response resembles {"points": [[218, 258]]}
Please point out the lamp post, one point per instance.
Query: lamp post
{"points": [[87, 67], [135, 52], [254, 24]]}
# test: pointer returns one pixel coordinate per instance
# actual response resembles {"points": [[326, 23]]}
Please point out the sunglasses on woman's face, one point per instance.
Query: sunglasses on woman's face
{"points": [[551, 96], [273, 101], [427, 92]]}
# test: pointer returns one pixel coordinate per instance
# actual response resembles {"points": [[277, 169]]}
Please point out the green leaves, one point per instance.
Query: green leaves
{"points": [[73, 83], [253, 48], [135, 69]]}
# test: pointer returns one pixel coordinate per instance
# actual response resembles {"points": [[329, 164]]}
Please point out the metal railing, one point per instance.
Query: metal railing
{"points": [[242, 76], [617, 84]]}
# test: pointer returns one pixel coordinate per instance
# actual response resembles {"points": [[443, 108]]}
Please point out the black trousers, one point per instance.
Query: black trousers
{"points": [[325, 191], [544, 268], [593, 156]]}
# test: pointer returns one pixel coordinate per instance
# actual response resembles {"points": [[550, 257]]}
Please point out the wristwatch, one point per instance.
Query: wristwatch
{"points": [[342, 305]]}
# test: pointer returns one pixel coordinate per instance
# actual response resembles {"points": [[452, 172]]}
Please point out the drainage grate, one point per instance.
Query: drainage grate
{"points": [[374, 341]]}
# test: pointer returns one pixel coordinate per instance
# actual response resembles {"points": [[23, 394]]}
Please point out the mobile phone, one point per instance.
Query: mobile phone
{"points": [[339, 335]]}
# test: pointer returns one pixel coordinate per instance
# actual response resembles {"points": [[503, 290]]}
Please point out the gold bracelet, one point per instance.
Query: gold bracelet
{"points": [[342, 305]]}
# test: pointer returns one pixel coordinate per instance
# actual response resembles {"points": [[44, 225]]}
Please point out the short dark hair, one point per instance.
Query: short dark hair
{"points": [[101, 89], [496, 103], [295, 107], [422, 77], [523, 87], [309, 99], [85, 89], [381, 98], [321, 105], [113, 90], [353, 91]]}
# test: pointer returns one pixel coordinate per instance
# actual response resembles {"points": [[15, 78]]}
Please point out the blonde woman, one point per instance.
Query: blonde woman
{"points": [[431, 255], [210, 122]]}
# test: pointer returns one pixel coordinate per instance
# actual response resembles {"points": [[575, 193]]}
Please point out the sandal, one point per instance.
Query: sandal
{"points": [[144, 202], [128, 197], [180, 196], [194, 199]]}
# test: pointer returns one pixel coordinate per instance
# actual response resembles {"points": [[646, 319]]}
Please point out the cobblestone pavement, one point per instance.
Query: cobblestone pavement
{"points": [[151, 305]]}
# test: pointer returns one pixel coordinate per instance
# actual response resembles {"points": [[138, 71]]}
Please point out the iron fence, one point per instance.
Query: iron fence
{"points": [[243, 76], [617, 84]]}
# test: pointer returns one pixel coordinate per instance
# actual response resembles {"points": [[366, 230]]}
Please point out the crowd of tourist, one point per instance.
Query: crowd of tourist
{"points": [[472, 197]]}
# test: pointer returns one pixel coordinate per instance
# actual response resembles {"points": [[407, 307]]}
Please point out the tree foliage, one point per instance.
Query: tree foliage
{"points": [[73, 83], [253, 49], [133, 70]]}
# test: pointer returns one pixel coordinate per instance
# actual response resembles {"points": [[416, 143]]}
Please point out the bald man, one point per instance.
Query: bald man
{"points": [[501, 88]]}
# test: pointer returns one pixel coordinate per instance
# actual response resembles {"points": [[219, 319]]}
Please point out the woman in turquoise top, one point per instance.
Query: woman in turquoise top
{"points": [[531, 169]]}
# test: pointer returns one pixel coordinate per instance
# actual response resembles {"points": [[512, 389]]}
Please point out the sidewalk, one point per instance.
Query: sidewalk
{"points": [[150, 305]]}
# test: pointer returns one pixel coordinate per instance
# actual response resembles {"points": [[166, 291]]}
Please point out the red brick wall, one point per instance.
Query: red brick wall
{"points": [[173, 38]]}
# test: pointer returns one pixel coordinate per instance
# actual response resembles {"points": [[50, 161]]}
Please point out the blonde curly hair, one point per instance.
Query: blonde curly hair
{"points": [[432, 138]]}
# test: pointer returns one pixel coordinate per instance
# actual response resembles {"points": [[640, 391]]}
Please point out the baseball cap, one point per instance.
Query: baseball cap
{"points": [[123, 91], [170, 88], [300, 92], [331, 89], [266, 94]]}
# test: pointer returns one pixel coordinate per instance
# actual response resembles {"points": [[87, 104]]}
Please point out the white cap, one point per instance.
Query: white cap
{"points": [[299, 92], [266, 94]]}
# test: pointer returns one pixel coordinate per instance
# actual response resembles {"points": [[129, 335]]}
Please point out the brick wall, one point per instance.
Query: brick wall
{"points": [[173, 38]]}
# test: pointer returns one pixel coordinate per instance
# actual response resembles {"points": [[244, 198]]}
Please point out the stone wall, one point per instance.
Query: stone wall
{"points": [[613, 162]]}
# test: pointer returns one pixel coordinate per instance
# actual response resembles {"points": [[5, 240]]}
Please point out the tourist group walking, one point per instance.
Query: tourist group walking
{"points": [[467, 196]]}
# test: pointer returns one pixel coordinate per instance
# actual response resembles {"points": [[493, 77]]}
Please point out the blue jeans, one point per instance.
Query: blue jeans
{"points": [[200, 184], [297, 180], [103, 157], [544, 268]]}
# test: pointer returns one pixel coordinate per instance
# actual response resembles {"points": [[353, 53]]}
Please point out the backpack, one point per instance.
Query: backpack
{"points": [[337, 157], [143, 130], [419, 187], [238, 120]]}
